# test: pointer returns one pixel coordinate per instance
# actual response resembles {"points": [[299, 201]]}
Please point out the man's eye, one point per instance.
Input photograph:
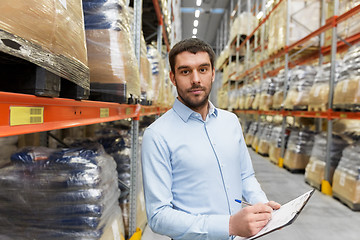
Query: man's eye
{"points": [[185, 71], [203, 70]]}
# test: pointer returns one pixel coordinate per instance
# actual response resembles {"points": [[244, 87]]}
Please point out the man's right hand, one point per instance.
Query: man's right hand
{"points": [[249, 220]]}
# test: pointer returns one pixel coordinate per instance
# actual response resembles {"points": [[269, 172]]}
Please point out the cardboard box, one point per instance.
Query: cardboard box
{"points": [[346, 186], [274, 153], [295, 161]]}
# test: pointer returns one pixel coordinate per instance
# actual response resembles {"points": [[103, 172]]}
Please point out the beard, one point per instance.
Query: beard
{"points": [[196, 102]]}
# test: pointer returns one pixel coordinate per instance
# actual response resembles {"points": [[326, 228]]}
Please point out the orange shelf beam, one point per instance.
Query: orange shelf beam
{"points": [[64, 113], [161, 23]]}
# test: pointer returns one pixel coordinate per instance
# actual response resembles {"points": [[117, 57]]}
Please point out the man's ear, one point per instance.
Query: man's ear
{"points": [[172, 78]]}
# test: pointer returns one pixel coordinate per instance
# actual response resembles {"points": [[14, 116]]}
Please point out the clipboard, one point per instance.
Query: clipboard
{"points": [[284, 216]]}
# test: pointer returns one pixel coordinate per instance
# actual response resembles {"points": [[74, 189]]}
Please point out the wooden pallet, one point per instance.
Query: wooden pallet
{"points": [[347, 107], [62, 66], [21, 76], [297, 108], [294, 170], [351, 205], [318, 108], [313, 184]]}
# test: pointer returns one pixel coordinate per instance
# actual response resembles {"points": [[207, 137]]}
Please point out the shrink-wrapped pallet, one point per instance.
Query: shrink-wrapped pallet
{"points": [[314, 172], [256, 140], [257, 91], [157, 71], [347, 89], [279, 81], [267, 94], [8, 145], [304, 19], [145, 75], [250, 135], [346, 181], [275, 143], [49, 33], [250, 96], [264, 140], [114, 70], [243, 25], [59, 194], [301, 81], [319, 93], [298, 150]]}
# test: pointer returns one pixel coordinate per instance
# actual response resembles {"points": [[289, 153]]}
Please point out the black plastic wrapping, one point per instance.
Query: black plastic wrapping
{"points": [[58, 194]]}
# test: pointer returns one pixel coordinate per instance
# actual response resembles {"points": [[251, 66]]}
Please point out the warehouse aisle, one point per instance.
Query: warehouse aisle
{"points": [[322, 218]]}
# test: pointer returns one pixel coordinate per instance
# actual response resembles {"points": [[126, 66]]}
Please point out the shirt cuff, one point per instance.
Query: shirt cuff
{"points": [[219, 226]]}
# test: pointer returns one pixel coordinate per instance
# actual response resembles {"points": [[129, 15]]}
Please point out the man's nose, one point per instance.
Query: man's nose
{"points": [[196, 77]]}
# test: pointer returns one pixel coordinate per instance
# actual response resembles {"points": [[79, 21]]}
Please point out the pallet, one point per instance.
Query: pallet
{"points": [[21, 76], [313, 184], [297, 171], [263, 154], [318, 108], [62, 66], [347, 107], [297, 108], [352, 206], [109, 92]]}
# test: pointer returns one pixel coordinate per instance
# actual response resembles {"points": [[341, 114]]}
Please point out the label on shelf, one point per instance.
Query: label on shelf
{"points": [[343, 115], [104, 112], [128, 111], [26, 115]]}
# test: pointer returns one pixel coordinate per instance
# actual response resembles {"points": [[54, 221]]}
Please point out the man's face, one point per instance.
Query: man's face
{"points": [[193, 78]]}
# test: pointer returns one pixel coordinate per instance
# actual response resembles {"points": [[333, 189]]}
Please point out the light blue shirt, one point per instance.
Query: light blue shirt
{"points": [[193, 171]]}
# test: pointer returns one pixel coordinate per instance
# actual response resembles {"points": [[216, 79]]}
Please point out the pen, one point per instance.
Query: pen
{"points": [[243, 202]]}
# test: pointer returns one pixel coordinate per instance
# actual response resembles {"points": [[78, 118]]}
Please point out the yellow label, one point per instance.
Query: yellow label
{"points": [[343, 115], [318, 114], [26, 115], [104, 112], [142, 110], [128, 111]]}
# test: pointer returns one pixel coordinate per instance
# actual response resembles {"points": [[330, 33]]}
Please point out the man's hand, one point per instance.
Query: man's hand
{"points": [[273, 205], [250, 220]]}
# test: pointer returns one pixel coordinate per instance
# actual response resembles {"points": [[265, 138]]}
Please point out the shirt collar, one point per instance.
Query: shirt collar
{"points": [[185, 112]]}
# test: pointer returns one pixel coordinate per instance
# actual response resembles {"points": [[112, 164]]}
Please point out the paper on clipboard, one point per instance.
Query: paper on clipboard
{"points": [[284, 216]]}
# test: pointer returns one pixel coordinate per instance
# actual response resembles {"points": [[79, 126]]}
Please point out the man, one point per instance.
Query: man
{"points": [[195, 160]]}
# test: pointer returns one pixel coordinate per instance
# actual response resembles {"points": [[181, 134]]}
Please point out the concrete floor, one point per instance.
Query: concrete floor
{"points": [[322, 218]]}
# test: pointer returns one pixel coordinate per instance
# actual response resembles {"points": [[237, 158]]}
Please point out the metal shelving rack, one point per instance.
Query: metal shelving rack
{"points": [[335, 47], [23, 113]]}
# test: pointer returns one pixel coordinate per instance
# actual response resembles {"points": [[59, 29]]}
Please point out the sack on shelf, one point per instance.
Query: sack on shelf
{"points": [[249, 137], [275, 143], [314, 172], [58, 193], [267, 94], [114, 71], [301, 81], [264, 140], [298, 150], [346, 181]]}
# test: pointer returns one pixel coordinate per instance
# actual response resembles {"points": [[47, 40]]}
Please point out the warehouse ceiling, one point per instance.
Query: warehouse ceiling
{"points": [[211, 15]]}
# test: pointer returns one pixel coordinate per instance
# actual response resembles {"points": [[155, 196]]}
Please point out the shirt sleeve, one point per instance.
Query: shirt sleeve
{"points": [[162, 217], [252, 191]]}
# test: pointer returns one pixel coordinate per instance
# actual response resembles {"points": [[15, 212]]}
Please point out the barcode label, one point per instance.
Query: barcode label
{"points": [[26, 115], [104, 112], [34, 120]]}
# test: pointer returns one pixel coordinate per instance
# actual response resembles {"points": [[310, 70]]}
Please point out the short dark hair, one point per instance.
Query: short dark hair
{"points": [[192, 45]]}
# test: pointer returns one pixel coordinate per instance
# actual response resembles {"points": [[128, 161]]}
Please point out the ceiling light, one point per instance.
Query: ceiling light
{"points": [[259, 15], [197, 13], [198, 2], [194, 36], [196, 23], [195, 31]]}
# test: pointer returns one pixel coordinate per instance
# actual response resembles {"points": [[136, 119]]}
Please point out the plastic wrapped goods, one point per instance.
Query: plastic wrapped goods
{"points": [[298, 150], [346, 181], [58, 194], [314, 172], [250, 135], [264, 140], [256, 140], [243, 24], [319, 93], [50, 30], [275, 143], [305, 18], [257, 91], [301, 81], [114, 70], [147, 92], [267, 93], [279, 83], [157, 71], [347, 89], [7, 147], [250, 96]]}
